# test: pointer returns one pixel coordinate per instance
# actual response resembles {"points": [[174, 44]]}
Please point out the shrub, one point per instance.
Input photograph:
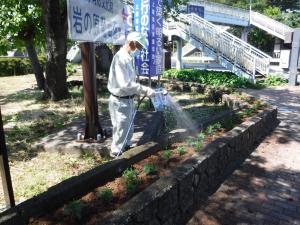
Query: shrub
{"points": [[273, 80], [149, 169], [214, 78], [181, 150], [74, 209], [106, 195], [17, 66], [131, 178]]}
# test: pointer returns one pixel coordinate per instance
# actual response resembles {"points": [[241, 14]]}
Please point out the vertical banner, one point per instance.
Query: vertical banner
{"points": [[196, 9], [128, 17], [148, 19]]}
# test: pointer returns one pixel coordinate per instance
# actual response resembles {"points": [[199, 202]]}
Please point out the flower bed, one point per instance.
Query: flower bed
{"points": [[60, 194], [169, 191]]}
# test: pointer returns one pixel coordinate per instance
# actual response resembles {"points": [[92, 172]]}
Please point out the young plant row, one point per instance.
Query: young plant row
{"points": [[130, 176]]}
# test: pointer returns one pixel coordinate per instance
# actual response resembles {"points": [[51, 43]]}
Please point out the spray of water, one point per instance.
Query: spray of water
{"points": [[183, 120]]}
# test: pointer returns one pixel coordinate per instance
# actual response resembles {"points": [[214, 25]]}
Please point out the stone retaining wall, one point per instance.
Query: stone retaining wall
{"points": [[172, 199], [154, 201]]}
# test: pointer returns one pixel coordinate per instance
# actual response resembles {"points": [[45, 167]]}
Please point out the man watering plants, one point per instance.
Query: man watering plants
{"points": [[123, 87]]}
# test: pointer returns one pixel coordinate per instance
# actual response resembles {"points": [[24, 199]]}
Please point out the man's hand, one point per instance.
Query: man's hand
{"points": [[150, 92]]}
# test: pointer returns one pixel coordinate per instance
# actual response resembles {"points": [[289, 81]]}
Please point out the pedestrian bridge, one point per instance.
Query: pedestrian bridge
{"points": [[224, 14], [231, 52]]}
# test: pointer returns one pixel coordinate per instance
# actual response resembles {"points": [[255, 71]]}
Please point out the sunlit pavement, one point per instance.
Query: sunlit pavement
{"points": [[266, 188]]}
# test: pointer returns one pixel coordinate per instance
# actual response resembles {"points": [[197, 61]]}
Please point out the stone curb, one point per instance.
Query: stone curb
{"points": [[171, 200]]}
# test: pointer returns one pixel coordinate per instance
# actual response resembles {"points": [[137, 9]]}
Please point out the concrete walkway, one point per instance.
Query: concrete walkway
{"points": [[266, 188]]}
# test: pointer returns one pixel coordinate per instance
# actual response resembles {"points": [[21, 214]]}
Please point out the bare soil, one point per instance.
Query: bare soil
{"points": [[96, 209]]}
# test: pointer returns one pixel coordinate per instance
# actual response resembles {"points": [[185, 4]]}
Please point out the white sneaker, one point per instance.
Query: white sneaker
{"points": [[114, 154]]}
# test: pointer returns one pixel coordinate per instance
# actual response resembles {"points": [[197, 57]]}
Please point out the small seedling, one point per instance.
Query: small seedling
{"points": [[181, 150], [217, 126], [74, 209], [198, 146], [131, 178], [209, 130], [167, 154], [201, 136], [190, 141], [106, 195], [149, 169]]}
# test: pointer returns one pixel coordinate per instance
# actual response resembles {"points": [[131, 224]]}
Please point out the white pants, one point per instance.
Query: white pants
{"points": [[121, 111]]}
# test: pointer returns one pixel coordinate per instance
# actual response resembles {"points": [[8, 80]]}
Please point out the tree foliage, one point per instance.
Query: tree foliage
{"points": [[18, 21]]}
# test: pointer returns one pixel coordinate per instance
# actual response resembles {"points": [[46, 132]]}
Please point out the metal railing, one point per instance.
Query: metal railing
{"points": [[222, 9], [268, 24], [259, 20], [238, 52]]}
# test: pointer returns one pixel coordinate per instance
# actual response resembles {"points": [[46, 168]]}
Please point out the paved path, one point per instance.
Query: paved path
{"points": [[266, 188]]}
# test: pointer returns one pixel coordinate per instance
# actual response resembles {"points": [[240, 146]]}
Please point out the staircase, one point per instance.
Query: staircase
{"points": [[230, 51]]}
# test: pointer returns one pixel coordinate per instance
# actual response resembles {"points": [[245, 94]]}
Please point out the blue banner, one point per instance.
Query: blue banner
{"points": [[148, 19], [195, 9]]}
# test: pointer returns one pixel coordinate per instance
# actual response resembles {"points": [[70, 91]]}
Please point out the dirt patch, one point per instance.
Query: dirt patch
{"points": [[96, 209]]}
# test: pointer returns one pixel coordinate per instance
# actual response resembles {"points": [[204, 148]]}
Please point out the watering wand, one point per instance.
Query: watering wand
{"points": [[159, 101], [130, 125]]}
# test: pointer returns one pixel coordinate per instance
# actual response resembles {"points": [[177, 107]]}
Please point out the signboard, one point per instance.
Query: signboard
{"points": [[285, 59], [97, 21], [148, 19], [196, 9]]}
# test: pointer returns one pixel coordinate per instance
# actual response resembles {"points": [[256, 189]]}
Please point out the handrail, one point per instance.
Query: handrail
{"points": [[222, 8], [269, 23], [257, 19], [231, 47]]}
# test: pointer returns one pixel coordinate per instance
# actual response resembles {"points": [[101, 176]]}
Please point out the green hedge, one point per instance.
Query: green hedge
{"points": [[215, 78], [17, 66]]}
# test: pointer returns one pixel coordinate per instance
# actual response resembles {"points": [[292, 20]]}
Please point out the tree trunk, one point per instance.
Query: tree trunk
{"points": [[56, 35], [36, 66]]}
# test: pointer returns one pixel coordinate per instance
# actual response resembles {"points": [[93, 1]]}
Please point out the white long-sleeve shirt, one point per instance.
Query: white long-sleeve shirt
{"points": [[122, 76]]}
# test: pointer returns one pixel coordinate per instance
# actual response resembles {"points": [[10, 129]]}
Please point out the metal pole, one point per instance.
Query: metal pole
{"points": [[92, 125], [293, 67], [179, 53], [4, 169]]}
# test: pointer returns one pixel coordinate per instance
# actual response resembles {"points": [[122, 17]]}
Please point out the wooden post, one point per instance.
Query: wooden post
{"points": [[92, 125], [4, 169]]}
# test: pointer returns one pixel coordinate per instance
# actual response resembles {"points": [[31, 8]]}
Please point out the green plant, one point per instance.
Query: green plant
{"points": [[191, 141], [209, 130], [167, 154], [149, 169], [106, 195], [71, 68], [181, 150], [214, 78], [74, 209], [201, 136], [273, 80], [198, 146], [131, 178], [212, 128]]}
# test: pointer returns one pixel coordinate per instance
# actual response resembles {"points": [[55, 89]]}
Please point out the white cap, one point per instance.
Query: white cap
{"points": [[136, 36]]}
